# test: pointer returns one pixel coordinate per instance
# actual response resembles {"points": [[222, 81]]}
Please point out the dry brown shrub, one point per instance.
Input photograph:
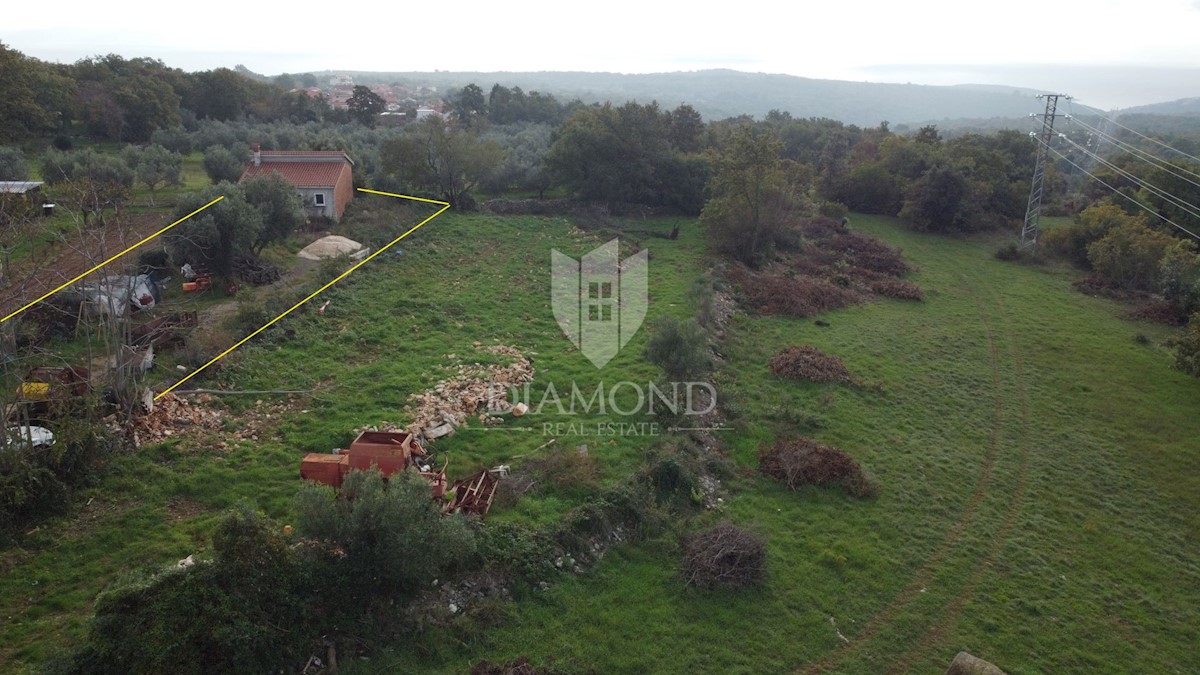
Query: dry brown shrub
{"points": [[805, 362], [726, 556], [900, 289], [822, 228], [803, 461], [794, 296], [1160, 311], [868, 253]]}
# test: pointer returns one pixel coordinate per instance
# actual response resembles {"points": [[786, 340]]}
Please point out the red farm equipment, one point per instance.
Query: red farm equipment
{"points": [[392, 451], [389, 451]]}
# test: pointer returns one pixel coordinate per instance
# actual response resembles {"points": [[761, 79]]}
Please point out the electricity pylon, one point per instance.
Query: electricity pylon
{"points": [[1033, 211]]}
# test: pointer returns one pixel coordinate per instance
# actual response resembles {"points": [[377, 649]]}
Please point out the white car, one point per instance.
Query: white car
{"points": [[37, 437]]}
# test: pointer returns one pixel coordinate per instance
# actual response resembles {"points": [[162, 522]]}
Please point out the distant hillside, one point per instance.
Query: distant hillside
{"points": [[1183, 106], [727, 93]]}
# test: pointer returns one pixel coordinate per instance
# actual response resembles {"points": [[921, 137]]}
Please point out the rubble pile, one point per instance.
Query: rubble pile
{"points": [[196, 420], [472, 389], [174, 416]]}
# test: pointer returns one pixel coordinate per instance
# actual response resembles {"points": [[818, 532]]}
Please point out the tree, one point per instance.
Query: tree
{"points": [[870, 188], [222, 165], [32, 96], [217, 94], [215, 237], [1179, 276], [754, 196], [1128, 256], [439, 158], [470, 105], [934, 203], [928, 135], [126, 99], [615, 154], [686, 129], [88, 182], [12, 164], [277, 204], [17, 218], [154, 166], [365, 105], [523, 167]]}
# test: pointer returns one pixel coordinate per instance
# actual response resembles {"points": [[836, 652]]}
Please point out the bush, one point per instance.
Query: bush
{"points": [[221, 164], [519, 552], [1187, 348], [725, 556], [1128, 256], [1009, 252], [1072, 242], [390, 539], [12, 164], [836, 211], [243, 611], [36, 482], [803, 461], [1179, 276], [565, 470], [805, 362], [680, 348], [1159, 311]]}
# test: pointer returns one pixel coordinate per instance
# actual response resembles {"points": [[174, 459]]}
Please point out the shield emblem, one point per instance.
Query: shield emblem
{"points": [[599, 300]]}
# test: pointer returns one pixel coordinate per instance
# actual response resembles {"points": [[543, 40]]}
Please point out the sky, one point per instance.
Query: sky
{"points": [[1109, 53]]}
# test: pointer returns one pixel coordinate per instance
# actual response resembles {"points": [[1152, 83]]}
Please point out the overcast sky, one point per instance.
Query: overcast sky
{"points": [[1110, 53]]}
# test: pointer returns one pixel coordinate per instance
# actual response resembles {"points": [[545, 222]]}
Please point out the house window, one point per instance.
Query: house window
{"points": [[319, 199]]}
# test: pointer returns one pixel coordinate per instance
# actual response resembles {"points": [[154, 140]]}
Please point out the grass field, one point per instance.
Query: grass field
{"points": [[1037, 506]]}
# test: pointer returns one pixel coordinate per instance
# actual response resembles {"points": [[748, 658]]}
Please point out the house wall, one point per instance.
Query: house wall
{"points": [[344, 191], [328, 211]]}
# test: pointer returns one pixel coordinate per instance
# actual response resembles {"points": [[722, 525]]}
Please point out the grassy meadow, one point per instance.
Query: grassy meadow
{"points": [[1037, 505]]}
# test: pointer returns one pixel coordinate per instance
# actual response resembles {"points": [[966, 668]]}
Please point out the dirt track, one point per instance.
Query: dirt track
{"points": [[940, 623]]}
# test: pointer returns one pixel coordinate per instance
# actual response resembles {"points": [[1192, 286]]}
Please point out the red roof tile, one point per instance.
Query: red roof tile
{"points": [[320, 173]]}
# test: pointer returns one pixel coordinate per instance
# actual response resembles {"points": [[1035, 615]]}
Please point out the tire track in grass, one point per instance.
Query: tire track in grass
{"points": [[921, 578], [952, 612]]}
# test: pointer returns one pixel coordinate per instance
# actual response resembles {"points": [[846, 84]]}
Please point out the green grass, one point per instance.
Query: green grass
{"points": [[1077, 553], [385, 335]]}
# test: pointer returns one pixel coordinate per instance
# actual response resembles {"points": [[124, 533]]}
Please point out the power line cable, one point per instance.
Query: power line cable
{"points": [[1140, 205], [1190, 208], [1158, 163], [1134, 131]]}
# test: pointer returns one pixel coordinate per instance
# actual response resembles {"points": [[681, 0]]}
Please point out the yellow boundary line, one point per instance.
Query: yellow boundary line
{"points": [[31, 304], [343, 275]]}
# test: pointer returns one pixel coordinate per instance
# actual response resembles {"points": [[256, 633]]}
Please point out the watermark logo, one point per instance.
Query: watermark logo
{"points": [[599, 300]]}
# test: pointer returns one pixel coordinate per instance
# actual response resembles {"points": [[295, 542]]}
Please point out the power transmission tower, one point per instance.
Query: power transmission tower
{"points": [[1033, 211]]}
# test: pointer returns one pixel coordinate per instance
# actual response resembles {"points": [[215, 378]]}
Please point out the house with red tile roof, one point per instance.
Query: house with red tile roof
{"points": [[322, 177]]}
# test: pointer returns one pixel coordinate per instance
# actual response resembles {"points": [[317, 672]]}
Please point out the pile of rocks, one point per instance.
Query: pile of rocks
{"points": [[473, 389], [176, 415], [196, 421]]}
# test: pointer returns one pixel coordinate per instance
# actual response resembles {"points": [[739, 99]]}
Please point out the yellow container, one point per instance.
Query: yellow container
{"points": [[35, 391]]}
